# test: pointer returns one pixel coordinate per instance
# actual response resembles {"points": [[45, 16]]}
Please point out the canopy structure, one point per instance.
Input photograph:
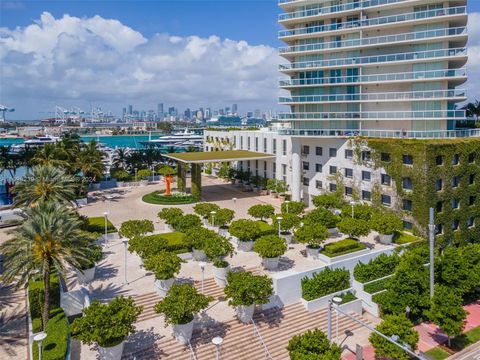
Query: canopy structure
{"points": [[196, 159]]}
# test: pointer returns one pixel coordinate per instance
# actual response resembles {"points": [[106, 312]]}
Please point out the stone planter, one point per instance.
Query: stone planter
{"points": [[274, 194], [162, 286], [333, 231], [183, 332], [199, 255], [220, 275], [111, 353], [263, 192], [86, 276], [312, 253], [245, 245], [245, 313], [288, 237], [386, 238], [223, 231], [120, 183], [271, 263]]}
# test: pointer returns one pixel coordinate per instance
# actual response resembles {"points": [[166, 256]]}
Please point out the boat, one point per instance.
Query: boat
{"points": [[177, 139], [41, 140]]}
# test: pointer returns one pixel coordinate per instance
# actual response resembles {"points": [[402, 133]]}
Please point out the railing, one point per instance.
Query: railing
{"points": [[417, 35], [353, 79], [383, 20], [401, 134], [333, 8], [383, 96], [192, 352], [375, 115], [256, 332], [363, 60]]}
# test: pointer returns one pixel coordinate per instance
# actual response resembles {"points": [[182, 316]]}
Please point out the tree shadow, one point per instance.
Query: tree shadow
{"points": [[105, 271], [271, 317], [144, 344], [285, 263], [108, 292], [206, 328], [10, 338]]}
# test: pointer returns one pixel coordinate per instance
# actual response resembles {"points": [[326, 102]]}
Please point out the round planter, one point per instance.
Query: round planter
{"points": [[333, 231], [271, 263], [199, 255], [220, 276], [223, 232], [245, 245], [275, 195], [120, 183], [245, 313], [288, 237], [312, 253], [386, 239], [162, 286], [183, 332], [86, 276], [111, 353]]}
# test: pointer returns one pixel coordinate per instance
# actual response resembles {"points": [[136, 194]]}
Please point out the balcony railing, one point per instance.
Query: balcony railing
{"points": [[355, 79], [334, 8], [375, 115], [411, 36], [400, 134], [384, 96], [458, 10], [362, 60]]}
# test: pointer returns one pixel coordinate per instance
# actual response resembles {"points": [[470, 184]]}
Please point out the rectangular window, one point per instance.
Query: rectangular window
{"points": [[318, 184], [274, 169], [385, 157], [333, 187], [284, 172], [471, 179], [284, 147], [470, 221], [366, 195], [455, 204], [366, 155], [318, 168], [306, 165], [305, 150], [386, 179], [241, 142], [348, 173], [455, 181], [456, 159], [408, 159], [407, 225], [471, 158], [348, 191], [256, 144], [455, 224], [439, 160], [438, 229], [439, 206], [471, 200], [333, 170], [332, 152], [439, 185], [366, 175], [407, 183], [386, 200], [248, 143], [407, 205], [265, 145], [318, 150], [274, 146], [306, 181], [348, 154]]}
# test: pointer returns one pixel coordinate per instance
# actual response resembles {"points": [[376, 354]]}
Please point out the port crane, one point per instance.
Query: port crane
{"points": [[3, 110]]}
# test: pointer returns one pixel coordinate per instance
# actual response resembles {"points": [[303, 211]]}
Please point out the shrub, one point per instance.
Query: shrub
{"points": [[294, 207], [394, 325], [144, 174], [386, 223], [270, 246], [381, 266], [170, 215], [93, 256], [166, 170], [196, 238], [97, 225], [327, 201], [313, 344], [244, 288], [289, 221], [181, 304], [204, 209], [266, 229], [245, 230], [354, 227], [347, 297], [36, 296], [376, 286], [281, 187], [272, 185], [325, 282], [106, 324], [55, 346], [223, 217], [321, 216], [360, 211], [133, 228], [164, 265], [342, 247], [311, 234], [224, 171], [120, 175], [217, 247], [147, 246], [187, 222], [261, 211]]}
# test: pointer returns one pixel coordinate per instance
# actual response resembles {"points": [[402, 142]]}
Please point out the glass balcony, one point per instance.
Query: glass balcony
{"points": [[374, 59], [384, 20], [375, 115], [412, 36], [406, 76], [385, 96]]}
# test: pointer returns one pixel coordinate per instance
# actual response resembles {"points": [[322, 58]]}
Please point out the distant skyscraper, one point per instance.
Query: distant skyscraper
{"points": [[160, 110], [235, 108], [227, 110], [208, 113], [221, 112], [250, 114], [187, 114], [124, 113], [130, 109], [258, 113]]}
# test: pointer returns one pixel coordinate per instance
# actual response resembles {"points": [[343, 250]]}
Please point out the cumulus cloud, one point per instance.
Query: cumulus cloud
{"points": [[473, 64], [75, 61]]}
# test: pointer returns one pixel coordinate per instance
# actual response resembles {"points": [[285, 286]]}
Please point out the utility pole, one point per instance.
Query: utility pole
{"points": [[431, 228]]}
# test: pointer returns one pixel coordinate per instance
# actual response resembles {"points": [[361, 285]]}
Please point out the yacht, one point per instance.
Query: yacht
{"points": [[42, 140], [177, 139]]}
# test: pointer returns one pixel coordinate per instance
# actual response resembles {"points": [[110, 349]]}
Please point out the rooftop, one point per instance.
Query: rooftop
{"points": [[217, 156]]}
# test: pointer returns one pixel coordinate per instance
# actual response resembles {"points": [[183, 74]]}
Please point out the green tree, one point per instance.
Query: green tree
{"points": [[51, 155], [313, 345], [204, 209], [294, 207], [261, 211], [270, 246], [223, 217], [217, 247], [134, 228], [245, 230], [170, 215], [321, 216], [386, 223], [50, 238], [288, 222], [164, 265], [244, 288], [446, 311], [327, 201], [354, 227], [397, 325], [311, 234], [360, 211]]}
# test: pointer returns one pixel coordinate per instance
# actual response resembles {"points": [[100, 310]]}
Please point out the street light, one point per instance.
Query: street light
{"points": [[213, 212], [105, 214], [217, 341], [39, 337], [337, 301], [234, 200], [202, 265], [353, 211], [286, 204], [279, 219], [125, 243]]}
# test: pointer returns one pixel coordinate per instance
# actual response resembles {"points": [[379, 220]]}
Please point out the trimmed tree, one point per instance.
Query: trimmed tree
{"points": [[288, 223], [261, 211], [386, 224], [327, 201], [170, 215], [394, 325], [313, 344], [204, 209], [245, 230], [144, 174], [217, 248], [354, 227], [247, 289], [187, 222], [321, 216], [312, 234], [134, 228], [294, 207], [270, 246], [164, 265], [360, 211], [196, 238], [223, 217]]}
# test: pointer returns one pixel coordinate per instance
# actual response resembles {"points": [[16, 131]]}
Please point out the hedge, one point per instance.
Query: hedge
{"points": [[347, 297], [158, 198], [401, 238], [379, 267], [325, 282], [97, 225], [36, 298], [342, 247], [266, 229], [149, 245], [376, 286]]}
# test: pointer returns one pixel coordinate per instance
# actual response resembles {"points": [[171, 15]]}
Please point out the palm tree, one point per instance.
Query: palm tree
{"points": [[472, 109], [89, 162], [45, 183], [191, 148], [52, 155], [120, 158], [50, 238]]}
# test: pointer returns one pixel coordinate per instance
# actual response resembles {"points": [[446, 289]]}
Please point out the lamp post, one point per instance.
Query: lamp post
{"points": [[217, 341], [105, 214], [279, 219], [286, 204], [234, 200], [125, 243], [39, 337], [353, 208], [337, 301], [213, 212], [202, 267]]}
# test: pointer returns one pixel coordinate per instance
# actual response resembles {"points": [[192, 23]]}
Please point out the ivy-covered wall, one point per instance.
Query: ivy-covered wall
{"points": [[424, 173], [196, 186]]}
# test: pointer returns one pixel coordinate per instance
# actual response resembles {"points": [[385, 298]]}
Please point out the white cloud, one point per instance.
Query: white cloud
{"points": [[78, 61], [473, 64]]}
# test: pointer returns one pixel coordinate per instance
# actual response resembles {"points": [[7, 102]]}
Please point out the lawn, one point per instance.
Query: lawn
{"points": [[342, 247], [265, 228], [458, 343], [157, 198], [97, 224], [437, 354], [401, 238], [175, 241]]}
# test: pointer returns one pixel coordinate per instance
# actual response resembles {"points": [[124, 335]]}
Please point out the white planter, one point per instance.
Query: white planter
{"points": [[111, 353], [245, 313], [322, 302], [331, 260], [169, 228], [199, 255], [183, 332], [223, 232], [245, 245], [312, 253], [271, 263], [220, 275], [288, 237], [386, 239], [120, 183], [86, 276], [333, 231], [162, 286]]}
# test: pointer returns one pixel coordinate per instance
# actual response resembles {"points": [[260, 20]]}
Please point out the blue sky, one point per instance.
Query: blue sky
{"points": [[116, 53]]}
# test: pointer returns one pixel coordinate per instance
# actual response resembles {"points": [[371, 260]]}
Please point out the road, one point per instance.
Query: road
{"points": [[470, 353]]}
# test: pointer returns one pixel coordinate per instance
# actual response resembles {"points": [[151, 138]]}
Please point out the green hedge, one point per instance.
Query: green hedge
{"points": [[97, 225], [348, 297], [36, 298], [342, 247], [157, 198], [379, 267], [325, 282], [404, 238], [266, 229], [376, 286], [55, 346], [149, 245]]}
